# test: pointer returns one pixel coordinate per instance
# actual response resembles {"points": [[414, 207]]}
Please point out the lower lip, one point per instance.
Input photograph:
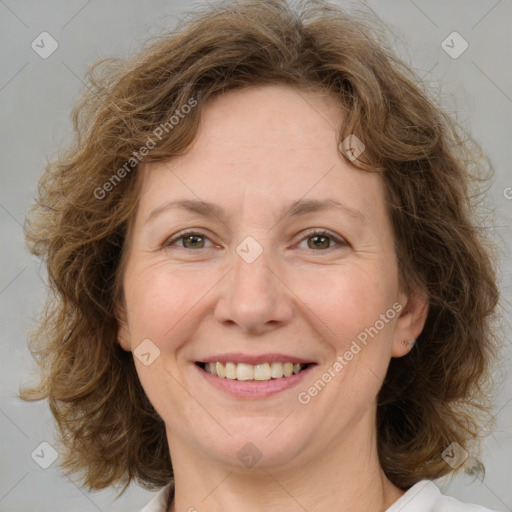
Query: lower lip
{"points": [[252, 388]]}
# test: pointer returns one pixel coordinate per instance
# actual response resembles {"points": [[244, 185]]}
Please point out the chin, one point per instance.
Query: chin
{"points": [[256, 448]]}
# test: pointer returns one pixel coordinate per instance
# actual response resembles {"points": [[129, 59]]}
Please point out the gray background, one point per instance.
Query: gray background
{"points": [[36, 96]]}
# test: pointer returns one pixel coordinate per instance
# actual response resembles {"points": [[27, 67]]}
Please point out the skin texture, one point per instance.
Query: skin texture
{"points": [[258, 150]]}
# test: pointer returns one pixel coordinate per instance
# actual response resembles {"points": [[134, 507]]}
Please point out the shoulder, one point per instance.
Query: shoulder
{"points": [[425, 496], [159, 501]]}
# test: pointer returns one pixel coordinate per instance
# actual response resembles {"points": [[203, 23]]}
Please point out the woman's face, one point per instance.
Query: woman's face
{"points": [[253, 287]]}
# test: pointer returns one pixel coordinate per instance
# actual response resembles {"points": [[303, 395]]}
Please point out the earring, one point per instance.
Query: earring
{"points": [[409, 342]]}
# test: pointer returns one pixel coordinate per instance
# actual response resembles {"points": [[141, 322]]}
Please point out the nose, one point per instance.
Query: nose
{"points": [[254, 296]]}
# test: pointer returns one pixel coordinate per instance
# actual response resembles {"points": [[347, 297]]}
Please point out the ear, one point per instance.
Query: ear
{"points": [[123, 331], [411, 321]]}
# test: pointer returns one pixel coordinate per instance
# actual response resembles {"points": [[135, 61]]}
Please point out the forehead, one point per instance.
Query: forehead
{"points": [[273, 115], [261, 145]]}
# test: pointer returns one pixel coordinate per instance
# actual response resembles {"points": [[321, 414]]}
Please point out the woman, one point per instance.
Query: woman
{"points": [[268, 290]]}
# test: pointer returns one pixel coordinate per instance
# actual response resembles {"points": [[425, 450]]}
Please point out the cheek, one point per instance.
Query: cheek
{"points": [[347, 300], [160, 306], [158, 300], [166, 394], [347, 311]]}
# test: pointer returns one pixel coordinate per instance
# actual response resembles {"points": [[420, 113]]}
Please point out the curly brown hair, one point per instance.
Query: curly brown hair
{"points": [[441, 392]]}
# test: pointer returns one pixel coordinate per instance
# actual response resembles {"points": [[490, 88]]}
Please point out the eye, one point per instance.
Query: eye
{"points": [[316, 239], [321, 239], [190, 239]]}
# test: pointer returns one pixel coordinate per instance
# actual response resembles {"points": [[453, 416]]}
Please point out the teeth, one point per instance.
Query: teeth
{"points": [[230, 371], [276, 370], [263, 371], [244, 371], [220, 370]]}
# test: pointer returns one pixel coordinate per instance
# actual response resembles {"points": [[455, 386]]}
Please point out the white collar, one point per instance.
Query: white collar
{"points": [[159, 501]]}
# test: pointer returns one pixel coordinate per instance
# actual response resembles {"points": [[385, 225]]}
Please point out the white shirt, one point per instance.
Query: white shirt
{"points": [[424, 496]]}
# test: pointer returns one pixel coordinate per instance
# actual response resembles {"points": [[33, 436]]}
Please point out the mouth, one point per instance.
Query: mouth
{"points": [[249, 376], [263, 372]]}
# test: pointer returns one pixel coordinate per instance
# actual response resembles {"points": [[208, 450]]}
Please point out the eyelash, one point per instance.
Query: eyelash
{"points": [[310, 234]]}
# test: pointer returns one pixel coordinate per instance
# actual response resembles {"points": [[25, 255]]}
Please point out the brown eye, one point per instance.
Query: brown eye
{"points": [[321, 240], [193, 241], [189, 240], [318, 242]]}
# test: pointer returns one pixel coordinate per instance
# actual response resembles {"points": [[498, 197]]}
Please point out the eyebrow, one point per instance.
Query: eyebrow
{"points": [[294, 209]]}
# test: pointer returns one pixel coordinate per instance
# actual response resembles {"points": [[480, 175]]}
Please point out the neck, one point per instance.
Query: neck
{"points": [[344, 476]]}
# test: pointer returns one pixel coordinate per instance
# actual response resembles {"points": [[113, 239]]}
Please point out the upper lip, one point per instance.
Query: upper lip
{"points": [[238, 357]]}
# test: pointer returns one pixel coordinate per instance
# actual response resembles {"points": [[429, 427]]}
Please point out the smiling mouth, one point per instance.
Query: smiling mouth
{"points": [[249, 372]]}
